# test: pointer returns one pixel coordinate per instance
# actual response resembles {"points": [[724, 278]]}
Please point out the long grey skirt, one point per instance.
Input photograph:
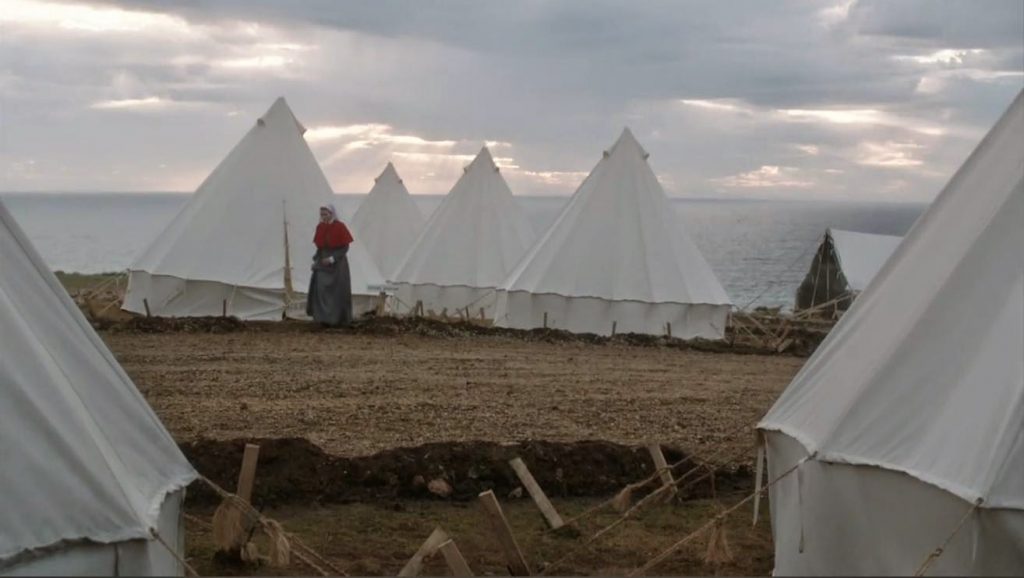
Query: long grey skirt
{"points": [[329, 300]]}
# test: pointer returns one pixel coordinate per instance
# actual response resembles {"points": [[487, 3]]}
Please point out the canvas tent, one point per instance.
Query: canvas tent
{"points": [[88, 470], [617, 256], [244, 239], [846, 261], [388, 221], [911, 412], [468, 246]]}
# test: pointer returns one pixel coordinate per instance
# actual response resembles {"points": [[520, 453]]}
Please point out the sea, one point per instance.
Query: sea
{"points": [[759, 249]]}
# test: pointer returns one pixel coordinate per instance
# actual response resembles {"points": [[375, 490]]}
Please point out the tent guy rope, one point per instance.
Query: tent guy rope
{"points": [[708, 525], [942, 548]]}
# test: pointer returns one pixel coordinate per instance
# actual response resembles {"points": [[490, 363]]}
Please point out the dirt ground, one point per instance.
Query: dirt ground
{"points": [[360, 394], [394, 405]]}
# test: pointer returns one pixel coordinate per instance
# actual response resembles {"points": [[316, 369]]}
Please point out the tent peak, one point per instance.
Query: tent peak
{"points": [[483, 159], [389, 172], [485, 153], [627, 142], [280, 110]]}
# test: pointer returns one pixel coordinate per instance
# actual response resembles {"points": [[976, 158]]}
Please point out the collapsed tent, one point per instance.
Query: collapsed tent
{"points": [[468, 246], [89, 472], [243, 242], [617, 258], [846, 261], [388, 221], [906, 428]]}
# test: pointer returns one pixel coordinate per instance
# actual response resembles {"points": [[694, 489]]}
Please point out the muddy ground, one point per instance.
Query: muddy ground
{"points": [[294, 471], [355, 425], [354, 393], [368, 514]]}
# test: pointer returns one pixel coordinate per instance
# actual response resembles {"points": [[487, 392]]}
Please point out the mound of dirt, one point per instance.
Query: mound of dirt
{"points": [[294, 470], [800, 343], [382, 326], [138, 324]]}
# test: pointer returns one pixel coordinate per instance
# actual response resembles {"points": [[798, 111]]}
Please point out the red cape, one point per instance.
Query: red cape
{"points": [[331, 235]]}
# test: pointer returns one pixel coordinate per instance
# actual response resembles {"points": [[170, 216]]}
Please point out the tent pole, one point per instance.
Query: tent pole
{"points": [[817, 270], [287, 262]]}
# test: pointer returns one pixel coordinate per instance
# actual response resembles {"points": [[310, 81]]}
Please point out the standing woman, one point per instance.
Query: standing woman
{"points": [[329, 300]]}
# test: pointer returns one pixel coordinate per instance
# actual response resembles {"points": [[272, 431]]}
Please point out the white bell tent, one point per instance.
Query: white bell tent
{"points": [[244, 239], [468, 246], [906, 427], [89, 473], [846, 261], [388, 221], [618, 256]]}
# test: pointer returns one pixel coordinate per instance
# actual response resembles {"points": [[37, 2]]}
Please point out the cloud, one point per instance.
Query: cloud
{"points": [[262, 61], [710, 88], [149, 103], [768, 177], [889, 154], [560, 179], [89, 19]]}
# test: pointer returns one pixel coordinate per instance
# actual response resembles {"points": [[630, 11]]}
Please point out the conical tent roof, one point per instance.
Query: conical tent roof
{"points": [[474, 237], [233, 229], [84, 456], [619, 238], [388, 221], [925, 373]]}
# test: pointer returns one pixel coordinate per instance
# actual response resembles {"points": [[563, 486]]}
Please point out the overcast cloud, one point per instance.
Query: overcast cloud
{"points": [[783, 99]]}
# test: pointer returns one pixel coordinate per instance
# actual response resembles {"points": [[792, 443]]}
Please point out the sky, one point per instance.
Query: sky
{"points": [[789, 99]]}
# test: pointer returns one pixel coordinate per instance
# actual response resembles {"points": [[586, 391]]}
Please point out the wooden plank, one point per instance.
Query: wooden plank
{"points": [[545, 320], [247, 476], [551, 515], [433, 542], [145, 303], [456, 562], [517, 565], [615, 326], [224, 308], [662, 466]]}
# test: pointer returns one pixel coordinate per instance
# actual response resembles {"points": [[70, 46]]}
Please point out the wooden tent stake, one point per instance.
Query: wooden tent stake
{"points": [[145, 303], [551, 515], [433, 542], [517, 565], [661, 465], [456, 562], [231, 525], [545, 320], [669, 326], [247, 476], [615, 326], [224, 308]]}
